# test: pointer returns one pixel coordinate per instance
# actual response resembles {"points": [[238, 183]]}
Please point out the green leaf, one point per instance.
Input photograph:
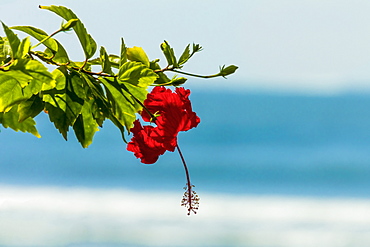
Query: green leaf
{"points": [[86, 126], [10, 119], [22, 79], [228, 70], [60, 57], [163, 80], [102, 107], [88, 43], [67, 103], [30, 108], [11, 91], [169, 54], [26, 70], [64, 97], [39, 35], [123, 104], [100, 111], [2, 53], [78, 86], [185, 55], [105, 63], [119, 126], [14, 41], [5, 50], [162, 77], [95, 88], [59, 118], [196, 48], [63, 103], [177, 81], [60, 77], [54, 51], [67, 26], [136, 94], [23, 48], [34, 73], [136, 74], [39, 72], [123, 56], [113, 59], [136, 54]]}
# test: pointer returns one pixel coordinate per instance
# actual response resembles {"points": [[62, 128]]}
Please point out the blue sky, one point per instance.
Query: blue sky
{"points": [[307, 46]]}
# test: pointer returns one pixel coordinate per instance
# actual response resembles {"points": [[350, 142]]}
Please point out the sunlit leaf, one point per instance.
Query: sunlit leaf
{"points": [[12, 38], [185, 55], [88, 43], [63, 97], [23, 79], [169, 54], [23, 48], [5, 50], [63, 103], [136, 54], [136, 74], [39, 35], [114, 61], [11, 91], [123, 55], [2, 53], [54, 51], [70, 23], [10, 120], [41, 77], [105, 63]]}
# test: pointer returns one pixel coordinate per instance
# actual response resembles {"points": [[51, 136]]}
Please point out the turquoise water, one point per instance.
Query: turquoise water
{"points": [[244, 144], [271, 171]]}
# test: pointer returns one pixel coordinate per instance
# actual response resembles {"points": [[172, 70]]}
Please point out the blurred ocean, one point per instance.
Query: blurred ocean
{"points": [[271, 171]]}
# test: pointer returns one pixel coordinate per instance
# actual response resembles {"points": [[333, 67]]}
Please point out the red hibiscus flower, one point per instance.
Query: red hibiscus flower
{"points": [[144, 145], [171, 112]]}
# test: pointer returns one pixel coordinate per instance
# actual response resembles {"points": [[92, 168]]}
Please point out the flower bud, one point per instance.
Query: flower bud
{"points": [[228, 70], [71, 23]]}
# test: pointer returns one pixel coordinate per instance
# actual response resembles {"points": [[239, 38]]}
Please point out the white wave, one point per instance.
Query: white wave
{"points": [[52, 216]]}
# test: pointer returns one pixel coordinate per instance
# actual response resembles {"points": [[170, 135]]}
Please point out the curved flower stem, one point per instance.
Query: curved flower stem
{"points": [[190, 198], [185, 167], [46, 38], [195, 75], [186, 73]]}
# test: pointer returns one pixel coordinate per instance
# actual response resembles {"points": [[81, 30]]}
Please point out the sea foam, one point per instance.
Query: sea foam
{"points": [[62, 216]]}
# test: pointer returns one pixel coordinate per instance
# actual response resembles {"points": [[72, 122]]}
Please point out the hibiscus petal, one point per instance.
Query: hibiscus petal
{"points": [[143, 145], [175, 114]]}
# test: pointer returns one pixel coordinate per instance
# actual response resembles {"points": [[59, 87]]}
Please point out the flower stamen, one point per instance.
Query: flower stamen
{"points": [[190, 199]]}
